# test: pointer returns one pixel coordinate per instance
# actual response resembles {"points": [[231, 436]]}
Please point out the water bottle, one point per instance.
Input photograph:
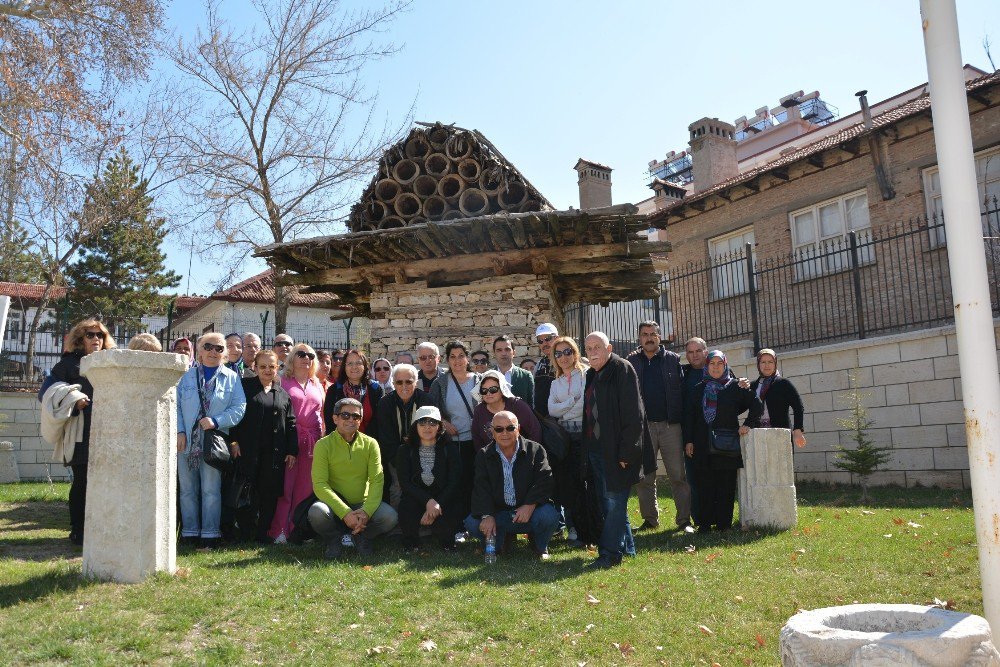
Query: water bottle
{"points": [[491, 550]]}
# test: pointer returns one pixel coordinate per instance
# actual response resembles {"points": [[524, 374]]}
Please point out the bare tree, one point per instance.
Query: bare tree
{"points": [[272, 126]]}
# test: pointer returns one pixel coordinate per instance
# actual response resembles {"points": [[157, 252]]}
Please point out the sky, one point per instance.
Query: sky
{"points": [[549, 82]]}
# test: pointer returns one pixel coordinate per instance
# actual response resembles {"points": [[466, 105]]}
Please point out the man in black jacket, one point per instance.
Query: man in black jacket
{"points": [[393, 416], [612, 442], [512, 490], [659, 373]]}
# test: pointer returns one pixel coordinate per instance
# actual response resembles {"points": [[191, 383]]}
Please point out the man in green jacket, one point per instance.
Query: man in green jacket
{"points": [[347, 480]]}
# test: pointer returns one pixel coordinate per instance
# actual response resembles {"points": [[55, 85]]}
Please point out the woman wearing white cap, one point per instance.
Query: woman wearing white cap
{"points": [[430, 474]]}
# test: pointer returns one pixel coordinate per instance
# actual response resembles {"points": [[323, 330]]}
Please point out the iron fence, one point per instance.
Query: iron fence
{"points": [[867, 283]]}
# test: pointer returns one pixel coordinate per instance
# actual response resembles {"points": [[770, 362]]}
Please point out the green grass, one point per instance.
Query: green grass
{"points": [[286, 605]]}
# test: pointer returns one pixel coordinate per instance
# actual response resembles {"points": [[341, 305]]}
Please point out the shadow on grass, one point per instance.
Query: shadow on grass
{"points": [[41, 586], [38, 549], [34, 516], [674, 542]]}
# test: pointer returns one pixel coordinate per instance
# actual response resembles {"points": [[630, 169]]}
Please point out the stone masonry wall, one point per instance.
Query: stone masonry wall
{"points": [[916, 403], [405, 315], [20, 415]]}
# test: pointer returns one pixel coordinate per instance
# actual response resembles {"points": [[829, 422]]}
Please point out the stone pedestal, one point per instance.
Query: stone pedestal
{"points": [[767, 480], [8, 464], [132, 472], [887, 635]]}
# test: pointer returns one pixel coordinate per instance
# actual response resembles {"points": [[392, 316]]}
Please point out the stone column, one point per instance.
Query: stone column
{"points": [[767, 480], [132, 471], [8, 464]]}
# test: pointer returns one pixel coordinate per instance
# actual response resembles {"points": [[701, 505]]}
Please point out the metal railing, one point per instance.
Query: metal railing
{"points": [[868, 283]]}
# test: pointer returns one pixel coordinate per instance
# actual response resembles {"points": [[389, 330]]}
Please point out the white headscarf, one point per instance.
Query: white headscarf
{"points": [[492, 375]]}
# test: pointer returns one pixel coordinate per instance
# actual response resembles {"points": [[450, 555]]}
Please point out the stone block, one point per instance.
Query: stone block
{"points": [[26, 456], [10, 430], [440, 321], [932, 391], [880, 436], [27, 417], [836, 361], [923, 348], [31, 472], [767, 480], [911, 459], [831, 381], [823, 441], [803, 365], [951, 458], [946, 367], [827, 421], [905, 371], [942, 479], [966, 479], [875, 355], [897, 394], [810, 461], [952, 343], [880, 635], [18, 401], [958, 388], [821, 401], [133, 456], [956, 434], [8, 464], [945, 412], [895, 415], [873, 397], [919, 436]]}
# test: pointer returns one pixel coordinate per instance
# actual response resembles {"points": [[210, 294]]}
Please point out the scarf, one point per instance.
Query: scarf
{"points": [[710, 399], [205, 393]]}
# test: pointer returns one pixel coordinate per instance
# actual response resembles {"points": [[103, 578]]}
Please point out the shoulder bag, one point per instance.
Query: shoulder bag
{"points": [[724, 442]]}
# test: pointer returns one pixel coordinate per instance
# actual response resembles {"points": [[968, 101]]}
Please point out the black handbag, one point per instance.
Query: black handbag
{"points": [[237, 490], [724, 442], [555, 438]]}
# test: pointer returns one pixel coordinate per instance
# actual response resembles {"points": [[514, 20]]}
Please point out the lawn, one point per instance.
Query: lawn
{"points": [[685, 600]]}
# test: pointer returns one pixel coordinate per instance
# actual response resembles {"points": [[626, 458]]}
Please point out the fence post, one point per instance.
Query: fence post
{"points": [[859, 307], [752, 290]]}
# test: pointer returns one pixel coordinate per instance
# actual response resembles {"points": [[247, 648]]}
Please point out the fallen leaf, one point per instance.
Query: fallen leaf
{"points": [[944, 604], [659, 648], [887, 535], [590, 626], [592, 600], [738, 598], [378, 650], [625, 648], [898, 521], [352, 626], [80, 607], [913, 525], [406, 633], [361, 614], [428, 645], [794, 557], [366, 567], [800, 551], [690, 549], [183, 572], [711, 557], [929, 573], [760, 640], [705, 629]]}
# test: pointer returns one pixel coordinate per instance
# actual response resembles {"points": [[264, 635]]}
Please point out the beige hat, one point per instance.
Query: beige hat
{"points": [[426, 411]]}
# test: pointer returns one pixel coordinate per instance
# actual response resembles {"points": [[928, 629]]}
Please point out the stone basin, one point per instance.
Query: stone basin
{"points": [[883, 635]]}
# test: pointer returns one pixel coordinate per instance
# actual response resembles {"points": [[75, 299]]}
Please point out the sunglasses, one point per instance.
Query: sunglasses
{"points": [[402, 381], [501, 429], [568, 352], [91, 335], [379, 369], [282, 343], [302, 354], [338, 359], [427, 421], [480, 362], [353, 416], [489, 390], [208, 347], [545, 339], [426, 357]]}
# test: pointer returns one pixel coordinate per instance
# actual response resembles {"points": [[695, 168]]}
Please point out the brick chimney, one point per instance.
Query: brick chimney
{"points": [[713, 152], [595, 184]]}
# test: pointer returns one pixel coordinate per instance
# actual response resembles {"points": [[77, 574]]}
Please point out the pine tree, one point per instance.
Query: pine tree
{"points": [[865, 457], [18, 264], [120, 270]]}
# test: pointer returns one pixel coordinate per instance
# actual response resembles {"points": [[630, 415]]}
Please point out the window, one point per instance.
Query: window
{"points": [[15, 325], [819, 235], [987, 177], [728, 256]]}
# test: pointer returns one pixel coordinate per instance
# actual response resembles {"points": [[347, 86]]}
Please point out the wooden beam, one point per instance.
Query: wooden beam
{"points": [[518, 232], [441, 238], [753, 185], [780, 173], [980, 98], [501, 267], [816, 160], [698, 205], [851, 147]]}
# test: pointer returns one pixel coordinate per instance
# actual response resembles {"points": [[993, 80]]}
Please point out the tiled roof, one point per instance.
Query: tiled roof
{"points": [[260, 289], [890, 117], [593, 164], [29, 291], [182, 303]]}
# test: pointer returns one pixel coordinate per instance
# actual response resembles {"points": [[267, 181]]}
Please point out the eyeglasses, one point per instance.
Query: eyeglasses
{"points": [[355, 363], [402, 381], [489, 390], [302, 354], [282, 343], [426, 357], [480, 362], [380, 369], [545, 339], [91, 335], [427, 421], [353, 416], [208, 347], [500, 429], [567, 352]]}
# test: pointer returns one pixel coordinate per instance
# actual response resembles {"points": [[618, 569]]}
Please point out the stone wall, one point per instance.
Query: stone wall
{"points": [[19, 419], [404, 315], [915, 401]]}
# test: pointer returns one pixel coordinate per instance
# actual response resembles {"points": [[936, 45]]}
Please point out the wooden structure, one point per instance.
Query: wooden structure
{"points": [[474, 277]]}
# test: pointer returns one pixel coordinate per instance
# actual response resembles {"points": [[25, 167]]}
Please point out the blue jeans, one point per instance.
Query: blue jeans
{"points": [[616, 538], [201, 499], [542, 523]]}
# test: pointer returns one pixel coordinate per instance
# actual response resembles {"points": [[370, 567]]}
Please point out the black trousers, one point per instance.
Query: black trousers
{"points": [[78, 499], [716, 496], [443, 528], [467, 453]]}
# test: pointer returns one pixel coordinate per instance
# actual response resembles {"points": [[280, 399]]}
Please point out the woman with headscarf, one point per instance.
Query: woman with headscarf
{"points": [[84, 338], [778, 395], [209, 396], [306, 392], [493, 394], [430, 474], [382, 371], [184, 346], [712, 436]]}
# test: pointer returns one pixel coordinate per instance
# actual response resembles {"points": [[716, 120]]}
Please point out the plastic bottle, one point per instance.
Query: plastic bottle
{"points": [[491, 550]]}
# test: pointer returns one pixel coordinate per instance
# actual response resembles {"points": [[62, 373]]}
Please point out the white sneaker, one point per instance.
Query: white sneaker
{"points": [[571, 534], [281, 539], [460, 537], [347, 540]]}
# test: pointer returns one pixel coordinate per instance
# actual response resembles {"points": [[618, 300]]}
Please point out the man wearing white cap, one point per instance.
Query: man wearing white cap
{"points": [[545, 334]]}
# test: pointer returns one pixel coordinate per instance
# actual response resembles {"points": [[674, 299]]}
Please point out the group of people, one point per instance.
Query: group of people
{"points": [[333, 446]]}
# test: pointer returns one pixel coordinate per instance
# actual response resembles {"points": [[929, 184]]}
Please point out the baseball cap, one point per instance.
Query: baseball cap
{"points": [[546, 328]]}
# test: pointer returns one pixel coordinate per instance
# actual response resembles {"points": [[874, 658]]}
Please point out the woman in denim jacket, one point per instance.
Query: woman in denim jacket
{"points": [[223, 408]]}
